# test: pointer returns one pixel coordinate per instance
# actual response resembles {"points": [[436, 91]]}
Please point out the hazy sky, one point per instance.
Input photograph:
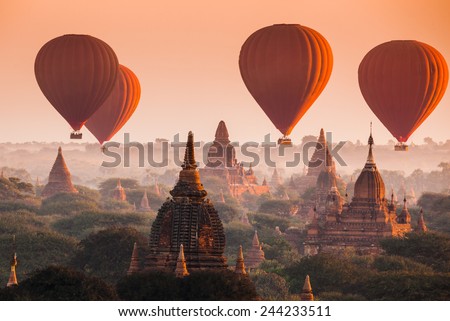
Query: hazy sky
{"points": [[185, 54]]}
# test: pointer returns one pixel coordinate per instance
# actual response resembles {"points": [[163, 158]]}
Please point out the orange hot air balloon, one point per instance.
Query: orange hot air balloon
{"points": [[118, 107], [76, 73], [285, 67], [402, 81]]}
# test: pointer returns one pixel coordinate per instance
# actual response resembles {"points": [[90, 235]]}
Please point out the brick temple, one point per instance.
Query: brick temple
{"points": [[59, 179]]}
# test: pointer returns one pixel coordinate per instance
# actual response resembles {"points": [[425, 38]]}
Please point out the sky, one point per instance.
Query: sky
{"points": [[185, 54]]}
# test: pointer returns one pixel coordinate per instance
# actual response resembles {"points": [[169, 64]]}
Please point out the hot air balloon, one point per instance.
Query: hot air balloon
{"points": [[402, 81], [285, 68], [76, 73], [118, 107]]}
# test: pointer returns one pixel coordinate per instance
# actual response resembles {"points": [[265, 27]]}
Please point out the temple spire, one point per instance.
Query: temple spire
{"points": [[222, 135], [307, 294], [421, 227], [240, 266], [145, 206], [12, 275], [181, 269], [370, 158], [134, 264], [189, 157]]}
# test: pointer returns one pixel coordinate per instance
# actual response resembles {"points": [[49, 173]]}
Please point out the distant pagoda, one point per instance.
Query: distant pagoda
{"points": [[119, 192], [255, 255], [134, 264], [307, 294], [59, 179], [222, 164], [188, 219], [421, 227], [240, 265], [145, 207]]}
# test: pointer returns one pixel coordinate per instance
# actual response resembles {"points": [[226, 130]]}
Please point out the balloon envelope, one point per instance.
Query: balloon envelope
{"points": [[118, 107], [402, 81], [285, 67], [76, 73]]}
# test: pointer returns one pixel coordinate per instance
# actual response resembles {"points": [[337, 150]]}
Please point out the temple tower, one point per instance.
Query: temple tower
{"points": [[240, 265], [187, 218], [145, 207], [134, 264], [119, 192], [59, 179], [181, 269], [307, 294], [421, 227], [255, 255]]}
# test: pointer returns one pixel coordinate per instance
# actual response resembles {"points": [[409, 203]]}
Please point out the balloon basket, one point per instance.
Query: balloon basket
{"points": [[76, 135], [401, 147], [286, 141]]}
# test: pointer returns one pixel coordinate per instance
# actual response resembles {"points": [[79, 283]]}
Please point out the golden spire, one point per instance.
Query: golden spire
{"points": [[307, 294], [181, 269], [12, 275], [240, 266]]}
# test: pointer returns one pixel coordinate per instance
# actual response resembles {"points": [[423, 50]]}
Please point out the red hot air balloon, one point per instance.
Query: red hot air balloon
{"points": [[402, 81], [285, 67], [118, 107], [76, 73]]}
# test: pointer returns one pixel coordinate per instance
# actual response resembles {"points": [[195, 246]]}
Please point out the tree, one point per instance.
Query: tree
{"points": [[270, 286], [107, 254], [432, 249], [57, 283], [226, 212], [198, 286], [67, 203]]}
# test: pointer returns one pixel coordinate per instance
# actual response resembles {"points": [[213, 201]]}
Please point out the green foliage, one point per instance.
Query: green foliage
{"points": [[149, 286], [198, 286], [135, 196], [270, 286], [385, 263], [339, 296], [432, 249], [90, 193], [67, 203], [106, 187], [81, 225], [226, 212], [107, 254], [21, 221], [406, 286], [328, 272], [436, 211], [237, 234], [309, 194], [17, 205], [268, 221], [36, 249], [279, 207], [114, 205], [13, 188], [57, 283]]}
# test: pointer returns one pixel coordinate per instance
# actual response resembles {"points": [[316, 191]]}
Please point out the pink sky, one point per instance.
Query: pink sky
{"points": [[185, 54]]}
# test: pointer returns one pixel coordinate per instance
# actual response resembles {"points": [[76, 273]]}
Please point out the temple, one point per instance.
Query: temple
{"points": [[119, 192], [421, 227], [240, 265], [361, 223], [307, 294], [145, 206], [134, 264], [255, 255], [222, 163], [188, 218], [320, 169], [59, 179]]}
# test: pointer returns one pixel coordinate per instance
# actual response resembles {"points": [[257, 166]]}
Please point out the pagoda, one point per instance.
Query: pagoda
{"points": [[359, 224], [145, 207], [307, 294], [188, 218], [421, 227], [119, 192], [134, 264], [222, 164], [255, 255], [240, 265], [59, 179]]}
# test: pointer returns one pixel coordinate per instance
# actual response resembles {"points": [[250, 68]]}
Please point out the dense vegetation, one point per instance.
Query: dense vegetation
{"points": [[82, 243]]}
